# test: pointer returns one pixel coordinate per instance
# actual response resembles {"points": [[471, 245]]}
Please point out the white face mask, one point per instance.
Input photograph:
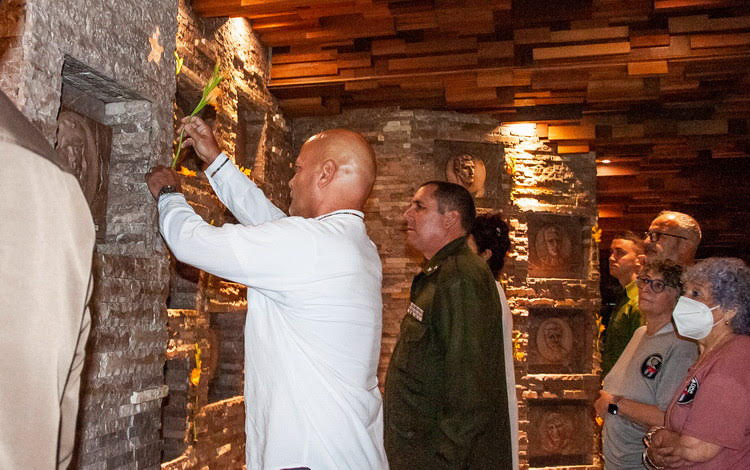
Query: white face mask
{"points": [[693, 319]]}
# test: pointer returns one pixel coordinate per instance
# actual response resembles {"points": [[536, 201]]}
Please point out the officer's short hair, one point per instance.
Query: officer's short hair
{"points": [[454, 197]]}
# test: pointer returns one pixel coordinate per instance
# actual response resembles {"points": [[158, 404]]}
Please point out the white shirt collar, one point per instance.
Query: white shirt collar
{"points": [[353, 212]]}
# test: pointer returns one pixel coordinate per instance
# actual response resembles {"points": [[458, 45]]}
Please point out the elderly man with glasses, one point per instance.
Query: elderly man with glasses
{"points": [[640, 386], [674, 236]]}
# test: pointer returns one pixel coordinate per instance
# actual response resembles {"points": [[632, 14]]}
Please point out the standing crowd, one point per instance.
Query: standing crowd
{"points": [[675, 380], [670, 358]]}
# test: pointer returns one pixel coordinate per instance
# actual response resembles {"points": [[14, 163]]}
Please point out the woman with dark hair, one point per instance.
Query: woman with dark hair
{"points": [[708, 420], [489, 239]]}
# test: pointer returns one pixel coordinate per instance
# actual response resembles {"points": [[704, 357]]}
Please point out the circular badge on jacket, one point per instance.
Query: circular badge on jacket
{"points": [[688, 393], [651, 366]]}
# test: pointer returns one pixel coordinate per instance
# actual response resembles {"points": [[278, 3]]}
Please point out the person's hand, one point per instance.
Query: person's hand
{"points": [[602, 403], [201, 138], [161, 176], [661, 450]]}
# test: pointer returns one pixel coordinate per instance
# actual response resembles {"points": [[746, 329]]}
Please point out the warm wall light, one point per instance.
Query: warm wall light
{"points": [[606, 161], [240, 29], [528, 204], [524, 129]]}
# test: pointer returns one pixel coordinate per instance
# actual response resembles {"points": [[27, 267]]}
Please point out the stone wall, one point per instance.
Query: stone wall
{"points": [[96, 59], [548, 187], [114, 64], [531, 184], [12, 22]]}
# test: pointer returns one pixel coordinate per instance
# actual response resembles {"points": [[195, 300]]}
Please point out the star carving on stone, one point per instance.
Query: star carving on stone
{"points": [[156, 48]]}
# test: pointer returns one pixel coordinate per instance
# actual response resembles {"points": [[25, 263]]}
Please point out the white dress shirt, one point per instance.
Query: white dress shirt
{"points": [[312, 335]]}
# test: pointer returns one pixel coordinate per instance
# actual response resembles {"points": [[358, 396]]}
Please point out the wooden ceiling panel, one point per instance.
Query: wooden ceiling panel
{"points": [[660, 89]]}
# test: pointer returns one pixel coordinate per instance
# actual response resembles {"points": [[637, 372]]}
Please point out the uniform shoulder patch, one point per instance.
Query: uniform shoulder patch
{"points": [[651, 366], [688, 393]]}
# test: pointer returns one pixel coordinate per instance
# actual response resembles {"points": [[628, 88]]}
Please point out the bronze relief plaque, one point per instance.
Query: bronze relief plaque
{"points": [[555, 246], [86, 146], [477, 166], [555, 345], [560, 433]]}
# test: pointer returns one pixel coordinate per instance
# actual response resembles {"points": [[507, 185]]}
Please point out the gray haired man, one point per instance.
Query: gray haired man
{"points": [[674, 236]]}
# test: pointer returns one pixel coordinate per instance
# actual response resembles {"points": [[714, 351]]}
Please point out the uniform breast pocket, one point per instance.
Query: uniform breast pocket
{"points": [[412, 348]]}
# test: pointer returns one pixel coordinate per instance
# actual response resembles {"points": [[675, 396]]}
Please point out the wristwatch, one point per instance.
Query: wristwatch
{"points": [[613, 409], [166, 190]]}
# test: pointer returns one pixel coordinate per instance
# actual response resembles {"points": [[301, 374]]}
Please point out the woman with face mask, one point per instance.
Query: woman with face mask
{"points": [[708, 421]]}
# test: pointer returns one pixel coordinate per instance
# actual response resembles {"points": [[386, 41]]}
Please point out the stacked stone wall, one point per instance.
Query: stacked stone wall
{"points": [[12, 23], [93, 58], [114, 63]]}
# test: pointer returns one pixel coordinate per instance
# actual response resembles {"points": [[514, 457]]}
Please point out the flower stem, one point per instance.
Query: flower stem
{"points": [[176, 156]]}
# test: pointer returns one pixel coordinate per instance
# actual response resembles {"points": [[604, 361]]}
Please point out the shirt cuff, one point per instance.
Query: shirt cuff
{"points": [[165, 198], [220, 160]]}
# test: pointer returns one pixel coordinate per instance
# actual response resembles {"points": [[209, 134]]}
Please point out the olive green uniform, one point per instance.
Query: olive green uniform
{"points": [[445, 393], [626, 319]]}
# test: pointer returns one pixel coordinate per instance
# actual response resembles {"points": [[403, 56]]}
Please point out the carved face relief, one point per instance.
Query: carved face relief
{"points": [[463, 167], [556, 430], [554, 340], [467, 171], [76, 143], [553, 246]]}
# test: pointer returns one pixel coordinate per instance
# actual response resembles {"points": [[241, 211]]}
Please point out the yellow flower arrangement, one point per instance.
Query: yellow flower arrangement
{"points": [[195, 374], [596, 233]]}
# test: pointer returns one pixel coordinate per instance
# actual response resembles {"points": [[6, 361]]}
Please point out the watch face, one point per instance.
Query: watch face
{"points": [[612, 409]]}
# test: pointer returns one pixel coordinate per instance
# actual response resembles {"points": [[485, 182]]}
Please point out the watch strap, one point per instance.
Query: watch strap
{"points": [[166, 190]]}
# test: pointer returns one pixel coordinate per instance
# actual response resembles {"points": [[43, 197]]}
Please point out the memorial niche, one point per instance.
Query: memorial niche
{"points": [[85, 145], [560, 433], [555, 246], [552, 345]]}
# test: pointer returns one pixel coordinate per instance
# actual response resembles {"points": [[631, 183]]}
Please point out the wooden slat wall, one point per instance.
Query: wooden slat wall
{"points": [[661, 88]]}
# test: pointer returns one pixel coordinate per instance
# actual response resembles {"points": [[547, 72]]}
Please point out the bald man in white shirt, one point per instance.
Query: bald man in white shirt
{"points": [[312, 335]]}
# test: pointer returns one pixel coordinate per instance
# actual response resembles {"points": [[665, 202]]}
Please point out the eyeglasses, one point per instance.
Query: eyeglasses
{"points": [[656, 285], [654, 236]]}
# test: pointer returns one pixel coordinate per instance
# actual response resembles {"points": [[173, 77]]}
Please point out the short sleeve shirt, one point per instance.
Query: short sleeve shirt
{"points": [[649, 371], [713, 405]]}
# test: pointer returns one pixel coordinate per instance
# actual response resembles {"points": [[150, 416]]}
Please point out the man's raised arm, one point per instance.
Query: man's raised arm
{"points": [[241, 196]]}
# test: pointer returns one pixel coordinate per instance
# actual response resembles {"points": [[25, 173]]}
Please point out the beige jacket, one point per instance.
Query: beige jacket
{"points": [[46, 245]]}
